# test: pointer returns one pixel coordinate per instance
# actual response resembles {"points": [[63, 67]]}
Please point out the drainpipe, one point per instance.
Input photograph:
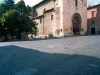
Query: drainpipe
{"points": [[43, 25]]}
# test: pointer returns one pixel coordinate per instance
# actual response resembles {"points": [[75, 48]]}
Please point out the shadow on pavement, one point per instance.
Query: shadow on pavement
{"points": [[14, 59]]}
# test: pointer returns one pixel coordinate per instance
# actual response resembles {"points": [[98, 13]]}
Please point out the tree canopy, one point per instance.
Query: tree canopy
{"points": [[14, 18]]}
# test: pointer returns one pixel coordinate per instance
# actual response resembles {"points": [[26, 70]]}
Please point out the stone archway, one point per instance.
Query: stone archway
{"points": [[76, 23]]}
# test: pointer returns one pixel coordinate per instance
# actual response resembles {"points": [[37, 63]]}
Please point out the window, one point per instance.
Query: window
{"points": [[93, 12], [52, 17], [76, 2], [40, 20], [93, 22], [56, 2], [61, 30], [36, 14]]}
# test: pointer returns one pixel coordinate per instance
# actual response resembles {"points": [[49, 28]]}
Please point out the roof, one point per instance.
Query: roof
{"points": [[38, 16], [42, 2], [93, 6], [50, 10]]}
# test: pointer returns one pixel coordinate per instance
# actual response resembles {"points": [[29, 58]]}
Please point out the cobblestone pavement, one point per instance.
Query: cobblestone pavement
{"points": [[78, 55]]}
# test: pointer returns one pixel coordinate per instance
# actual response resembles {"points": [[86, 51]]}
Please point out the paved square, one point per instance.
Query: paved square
{"points": [[27, 71], [78, 55]]}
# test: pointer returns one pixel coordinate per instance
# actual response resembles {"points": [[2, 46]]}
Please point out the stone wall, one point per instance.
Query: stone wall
{"points": [[48, 26], [63, 11], [40, 9], [69, 10]]}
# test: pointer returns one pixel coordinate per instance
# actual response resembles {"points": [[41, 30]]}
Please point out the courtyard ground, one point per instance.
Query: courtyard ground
{"points": [[79, 55]]}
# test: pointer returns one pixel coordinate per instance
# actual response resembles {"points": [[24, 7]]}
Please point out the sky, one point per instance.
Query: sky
{"points": [[93, 2], [34, 2], [30, 2]]}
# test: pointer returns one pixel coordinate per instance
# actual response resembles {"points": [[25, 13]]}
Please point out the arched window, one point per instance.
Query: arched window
{"points": [[52, 17]]}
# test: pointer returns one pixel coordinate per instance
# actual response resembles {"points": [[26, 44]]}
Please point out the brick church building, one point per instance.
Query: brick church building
{"points": [[60, 17]]}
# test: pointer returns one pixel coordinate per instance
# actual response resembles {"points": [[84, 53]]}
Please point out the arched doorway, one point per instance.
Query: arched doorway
{"points": [[93, 30], [76, 23]]}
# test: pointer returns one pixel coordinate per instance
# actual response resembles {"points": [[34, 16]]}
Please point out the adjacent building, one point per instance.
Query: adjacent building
{"points": [[60, 17], [93, 18]]}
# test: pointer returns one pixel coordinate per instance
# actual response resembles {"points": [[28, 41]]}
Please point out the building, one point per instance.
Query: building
{"points": [[93, 18], [60, 17]]}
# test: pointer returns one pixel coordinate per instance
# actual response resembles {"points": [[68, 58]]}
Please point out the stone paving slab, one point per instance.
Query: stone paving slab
{"points": [[67, 56], [27, 71]]}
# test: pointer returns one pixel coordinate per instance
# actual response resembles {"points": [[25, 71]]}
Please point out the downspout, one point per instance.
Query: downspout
{"points": [[43, 25]]}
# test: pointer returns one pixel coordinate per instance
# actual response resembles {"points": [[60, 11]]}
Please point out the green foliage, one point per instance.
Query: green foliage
{"points": [[2, 9], [9, 20], [14, 18], [50, 35], [22, 8]]}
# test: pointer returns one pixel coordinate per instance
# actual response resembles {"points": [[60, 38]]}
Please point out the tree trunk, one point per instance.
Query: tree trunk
{"points": [[12, 35], [19, 34], [6, 37]]}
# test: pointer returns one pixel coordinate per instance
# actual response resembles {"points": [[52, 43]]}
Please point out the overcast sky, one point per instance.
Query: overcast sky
{"points": [[93, 2], [34, 2], [30, 2]]}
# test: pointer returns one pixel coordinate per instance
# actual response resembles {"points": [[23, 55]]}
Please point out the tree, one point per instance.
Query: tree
{"points": [[25, 23], [0, 29], [9, 3], [2, 9], [14, 18], [9, 22]]}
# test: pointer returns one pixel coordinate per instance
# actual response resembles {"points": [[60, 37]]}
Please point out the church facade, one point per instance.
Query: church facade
{"points": [[60, 17]]}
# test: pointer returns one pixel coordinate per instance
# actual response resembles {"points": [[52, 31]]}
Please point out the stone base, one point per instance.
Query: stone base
{"points": [[61, 35], [68, 34], [82, 33]]}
